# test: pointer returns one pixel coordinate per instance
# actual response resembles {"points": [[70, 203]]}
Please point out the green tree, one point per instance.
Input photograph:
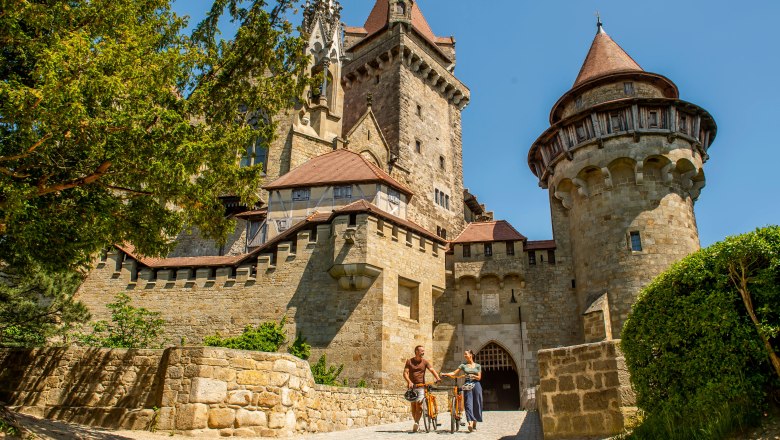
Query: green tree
{"points": [[36, 305], [117, 127], [130, 327], [699, 339]]}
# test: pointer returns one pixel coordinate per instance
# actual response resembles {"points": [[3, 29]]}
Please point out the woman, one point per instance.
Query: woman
{"points": [[472, 390]]}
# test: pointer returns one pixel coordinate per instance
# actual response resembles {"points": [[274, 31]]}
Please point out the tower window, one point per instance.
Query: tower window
{"points": [[510, 248], [683, 124], [376, 79], [400, 8], [447, 202], [635, 241], [419, 110], [615, 122], [488, 249], [652, 119], [532, 258], [628, 88], [352, 220], [418, 146], [578, 103], [441, 162], [551, 256]]}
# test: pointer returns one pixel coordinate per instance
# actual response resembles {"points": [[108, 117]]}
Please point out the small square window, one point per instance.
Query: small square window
{"points": [[466, 250], [301, 194], [342, 192], [418, 146], [510, 248], [393, 196], [652, 119], [628, 88], [635, 241], [488, 249]]}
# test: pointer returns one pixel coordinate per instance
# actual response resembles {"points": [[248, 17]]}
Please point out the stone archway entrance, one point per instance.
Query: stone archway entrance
{"points": [[500, 381]]}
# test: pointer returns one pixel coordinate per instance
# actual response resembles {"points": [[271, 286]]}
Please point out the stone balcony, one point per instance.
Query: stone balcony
{"points": [[499, 267]]}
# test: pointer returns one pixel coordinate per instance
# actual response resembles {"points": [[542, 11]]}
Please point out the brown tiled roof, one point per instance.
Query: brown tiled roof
{"points": [[339, 166], [605, 57], [540, 245], [251, 214], [378, 19], [479, 232], [160, 263], [355, 30], [364, 206]]}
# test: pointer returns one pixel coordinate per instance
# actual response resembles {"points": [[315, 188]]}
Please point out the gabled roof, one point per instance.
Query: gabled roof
{"points": [[485, 232], [604, 58], [379, 16], [336, 167]]}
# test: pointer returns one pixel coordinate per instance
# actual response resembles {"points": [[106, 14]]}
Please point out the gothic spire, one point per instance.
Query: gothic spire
{"points": [[327, 11]]}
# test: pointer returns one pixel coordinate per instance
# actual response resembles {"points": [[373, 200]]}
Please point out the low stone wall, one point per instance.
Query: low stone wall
{"points": [[107, 388], [208, 392], [584, 391]]}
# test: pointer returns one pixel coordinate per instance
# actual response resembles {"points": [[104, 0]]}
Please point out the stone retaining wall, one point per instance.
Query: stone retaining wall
{"points": [[208, 392], [585, 391]]}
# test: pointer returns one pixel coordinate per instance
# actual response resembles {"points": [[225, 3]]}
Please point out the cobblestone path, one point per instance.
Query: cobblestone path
{"points": [[498, 425]]}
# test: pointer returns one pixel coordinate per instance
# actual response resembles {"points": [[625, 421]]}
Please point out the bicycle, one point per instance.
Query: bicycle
{"points": [[456, 405], [430, 410]]}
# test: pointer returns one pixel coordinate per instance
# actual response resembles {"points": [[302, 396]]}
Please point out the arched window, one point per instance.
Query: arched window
{"points": [[400, 8]]}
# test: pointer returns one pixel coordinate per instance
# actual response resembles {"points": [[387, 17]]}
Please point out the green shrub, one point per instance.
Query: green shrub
{"points": [[300, 348], [693, 351], [361, 384], [268, 337], [324, 374], [130, 327]]}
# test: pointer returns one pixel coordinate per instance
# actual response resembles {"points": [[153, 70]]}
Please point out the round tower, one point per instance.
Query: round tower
{"points": [[624, 156]]}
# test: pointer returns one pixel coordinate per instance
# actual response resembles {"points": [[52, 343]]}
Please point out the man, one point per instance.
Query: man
{"points": [[414, 373]]}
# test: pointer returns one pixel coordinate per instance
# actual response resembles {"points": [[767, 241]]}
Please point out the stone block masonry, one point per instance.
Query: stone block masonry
{"points": [[585, 391], [205, 392]]}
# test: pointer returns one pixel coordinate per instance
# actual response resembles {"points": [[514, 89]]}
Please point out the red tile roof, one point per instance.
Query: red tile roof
{"points": [[183, 262], [540, 245], [339, 166], [480, 232], [379, 16], [604, 58], [355, 30]]}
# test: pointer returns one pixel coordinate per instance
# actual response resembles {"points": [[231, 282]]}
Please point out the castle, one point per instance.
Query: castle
{"points": [[369, 244]]}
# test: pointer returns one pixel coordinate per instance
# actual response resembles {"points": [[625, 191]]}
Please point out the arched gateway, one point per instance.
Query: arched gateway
{"points": [[500, 381]]}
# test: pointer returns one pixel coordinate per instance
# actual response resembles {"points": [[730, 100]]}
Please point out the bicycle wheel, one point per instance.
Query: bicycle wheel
{"points": [[453, 415], [426, 419]]}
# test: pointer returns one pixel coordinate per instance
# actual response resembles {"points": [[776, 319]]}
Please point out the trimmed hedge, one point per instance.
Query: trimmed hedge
{"points": [[691, 346]]}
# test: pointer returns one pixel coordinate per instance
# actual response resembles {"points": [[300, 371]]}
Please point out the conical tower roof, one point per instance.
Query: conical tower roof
{"points": [[379, 18], [605, 57]]}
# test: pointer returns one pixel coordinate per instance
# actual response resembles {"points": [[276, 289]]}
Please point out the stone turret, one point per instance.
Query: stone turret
{"points": [[624, 163], [396, 58]]}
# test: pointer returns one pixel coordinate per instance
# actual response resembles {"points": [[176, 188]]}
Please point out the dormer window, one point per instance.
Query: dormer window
{"points": [[301, 194]]}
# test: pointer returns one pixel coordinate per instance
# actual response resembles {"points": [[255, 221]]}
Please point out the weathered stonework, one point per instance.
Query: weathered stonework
{"points": [[584, 391], [205, 392]]}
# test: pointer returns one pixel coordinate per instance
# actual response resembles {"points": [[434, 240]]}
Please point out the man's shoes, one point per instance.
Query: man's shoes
{"points": [[415, 427]]}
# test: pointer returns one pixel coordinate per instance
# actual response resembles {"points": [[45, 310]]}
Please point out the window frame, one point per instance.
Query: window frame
{"points": [[302, 194], [488, 249], [342, 192]]}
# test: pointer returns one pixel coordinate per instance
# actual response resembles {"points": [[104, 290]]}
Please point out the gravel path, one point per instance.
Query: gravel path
{"points": [[506, 425]]}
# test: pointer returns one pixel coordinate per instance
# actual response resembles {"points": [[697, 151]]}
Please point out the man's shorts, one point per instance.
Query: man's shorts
{"points": [[420, 394]]}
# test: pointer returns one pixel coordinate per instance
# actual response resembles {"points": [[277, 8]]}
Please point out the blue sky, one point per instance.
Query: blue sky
{"points": [[518, 57]]}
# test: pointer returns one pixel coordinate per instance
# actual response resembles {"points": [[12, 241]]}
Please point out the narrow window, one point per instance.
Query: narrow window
{"points": [[441, 162], [436, 197], [466, 251], [636, 241], [652, 119], [510, 248], [578, 103], [614, 119], [353, 220], [444, 233], [447, 202], [531, 258], [628, 88], [400, 8], [581, 133], [368, 134], [551, 256], [488, 249], [418, 146], [419, 111], [438, 231], [376, 79], [313, 235], [573, 284], [683, 124], [468, 298]]}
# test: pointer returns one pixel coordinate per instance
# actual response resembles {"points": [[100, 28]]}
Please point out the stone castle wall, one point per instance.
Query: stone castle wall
{"points": [[360, 327], [585, 391], [207, 392]]}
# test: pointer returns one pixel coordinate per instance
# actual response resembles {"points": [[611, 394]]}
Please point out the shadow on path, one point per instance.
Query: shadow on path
{"points": [[57, 430]]}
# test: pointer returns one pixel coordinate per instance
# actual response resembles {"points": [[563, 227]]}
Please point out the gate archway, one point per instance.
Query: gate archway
{"points": [[500, 380]]}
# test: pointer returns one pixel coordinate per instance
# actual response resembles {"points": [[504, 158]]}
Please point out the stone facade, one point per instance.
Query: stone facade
{"points": [[585, 391], [207, 392]]}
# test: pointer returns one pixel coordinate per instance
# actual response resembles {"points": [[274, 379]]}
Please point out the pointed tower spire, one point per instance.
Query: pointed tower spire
{"points": [[328, 11], [605, 57]]}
